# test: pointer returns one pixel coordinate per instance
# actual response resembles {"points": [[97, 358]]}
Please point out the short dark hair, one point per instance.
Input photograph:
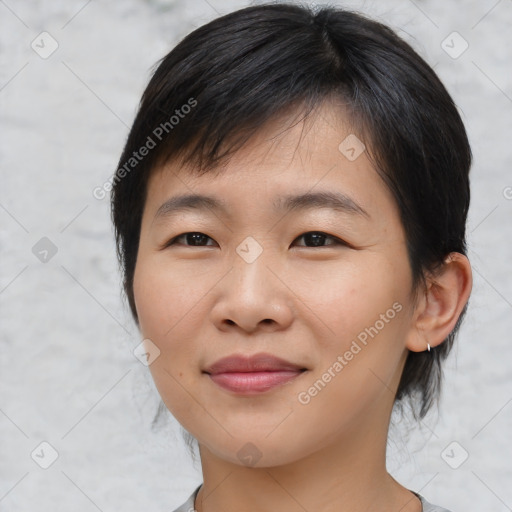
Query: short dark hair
{"points": [[218, 86]]}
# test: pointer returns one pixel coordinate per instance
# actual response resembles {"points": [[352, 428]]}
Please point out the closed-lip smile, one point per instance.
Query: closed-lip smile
{"points": [[252, 374]]}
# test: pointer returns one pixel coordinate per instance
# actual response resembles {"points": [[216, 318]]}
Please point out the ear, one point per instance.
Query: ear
{"points": [[440, 305]]}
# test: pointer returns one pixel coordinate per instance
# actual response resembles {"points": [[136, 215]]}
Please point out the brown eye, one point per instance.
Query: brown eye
{"points": [[317, 239], [312, 239], [192, 239]]}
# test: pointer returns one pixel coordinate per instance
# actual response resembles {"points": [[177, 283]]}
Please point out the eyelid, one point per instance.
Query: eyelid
{"points": [[337, 241], [172, 241]]}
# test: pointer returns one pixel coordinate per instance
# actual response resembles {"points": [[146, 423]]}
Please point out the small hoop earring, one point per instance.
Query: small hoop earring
{"points": [[428, 347]]}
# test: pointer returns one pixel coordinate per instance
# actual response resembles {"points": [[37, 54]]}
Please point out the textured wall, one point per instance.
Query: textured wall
{"points": [[68, 374]]}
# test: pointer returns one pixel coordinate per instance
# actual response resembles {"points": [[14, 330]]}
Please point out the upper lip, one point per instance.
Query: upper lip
{"points": [[256, 363]]}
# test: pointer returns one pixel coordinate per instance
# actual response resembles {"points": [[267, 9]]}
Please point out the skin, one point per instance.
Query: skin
{"points": [[306, 304]]}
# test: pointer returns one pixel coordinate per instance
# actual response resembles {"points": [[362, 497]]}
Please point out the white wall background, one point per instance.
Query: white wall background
{"points": [[68, 375]]}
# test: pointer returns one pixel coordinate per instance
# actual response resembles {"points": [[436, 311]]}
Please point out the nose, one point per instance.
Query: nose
{"points": [[252, 297]]}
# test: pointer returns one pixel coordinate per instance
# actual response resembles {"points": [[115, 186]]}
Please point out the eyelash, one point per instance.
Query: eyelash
{"points": [[337, 241]]}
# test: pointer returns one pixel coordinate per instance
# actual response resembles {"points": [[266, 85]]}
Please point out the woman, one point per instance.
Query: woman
{"points": [[290, 211]]}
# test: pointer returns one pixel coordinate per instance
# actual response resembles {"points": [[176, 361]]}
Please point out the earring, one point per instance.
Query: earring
{"points": [[428, 347]]}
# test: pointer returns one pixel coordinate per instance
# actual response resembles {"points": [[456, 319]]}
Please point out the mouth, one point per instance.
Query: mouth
{"points": [[253, 375]]}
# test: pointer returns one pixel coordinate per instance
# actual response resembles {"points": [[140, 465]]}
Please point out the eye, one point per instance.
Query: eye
{"points": [[317, 238], [197, 239], [194, 237]]}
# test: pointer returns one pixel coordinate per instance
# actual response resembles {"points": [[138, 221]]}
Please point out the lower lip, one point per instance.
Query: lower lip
{"points": [[253, 382]]}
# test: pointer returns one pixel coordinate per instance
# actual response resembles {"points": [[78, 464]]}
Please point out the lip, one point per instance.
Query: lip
{"points": [[252, 375]]}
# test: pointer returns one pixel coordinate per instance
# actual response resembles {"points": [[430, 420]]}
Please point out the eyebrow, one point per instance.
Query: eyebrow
{"points": [[310, 200]]}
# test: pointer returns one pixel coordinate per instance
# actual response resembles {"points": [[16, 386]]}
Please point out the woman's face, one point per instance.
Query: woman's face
{"points": [[253, 279]]}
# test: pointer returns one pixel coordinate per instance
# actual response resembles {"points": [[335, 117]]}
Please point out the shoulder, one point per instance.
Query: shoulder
{"points": [[188, 506], [427, 506]]}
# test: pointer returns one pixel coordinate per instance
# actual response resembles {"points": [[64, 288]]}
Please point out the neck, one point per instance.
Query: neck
{"points": [[347, 475]]}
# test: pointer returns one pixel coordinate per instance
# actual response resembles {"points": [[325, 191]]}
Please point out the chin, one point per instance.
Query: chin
{"points": [[255, 451]]}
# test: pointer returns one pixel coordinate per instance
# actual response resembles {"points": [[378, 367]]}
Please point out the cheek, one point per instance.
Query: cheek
{"points": [[148, 299], [345, 299], [165, 305], [364, 308], [165, 297]]}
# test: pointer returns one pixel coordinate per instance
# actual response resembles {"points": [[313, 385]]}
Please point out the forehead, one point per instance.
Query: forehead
{"points": [[286, 158]]}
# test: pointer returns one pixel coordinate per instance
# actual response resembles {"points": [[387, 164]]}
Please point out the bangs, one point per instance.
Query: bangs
{"points": [[261, 69]]}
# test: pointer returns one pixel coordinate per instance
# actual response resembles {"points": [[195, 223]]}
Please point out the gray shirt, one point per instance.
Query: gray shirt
{"points": [[188, 506]]}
